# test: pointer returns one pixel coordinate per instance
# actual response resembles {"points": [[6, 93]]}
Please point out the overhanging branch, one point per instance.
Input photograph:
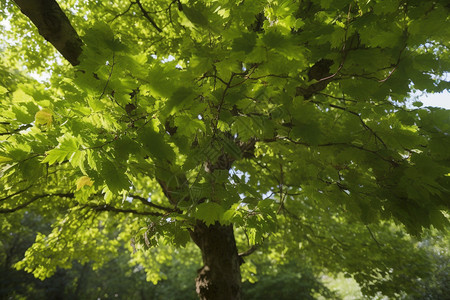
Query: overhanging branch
{"points": [[54, 26], [151, 204], [33, 199], [106, 207], [249, 251], [15, 193]]}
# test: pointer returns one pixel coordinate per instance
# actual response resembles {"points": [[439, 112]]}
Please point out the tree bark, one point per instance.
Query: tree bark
{"points": [[54, 26], [220, 276]]}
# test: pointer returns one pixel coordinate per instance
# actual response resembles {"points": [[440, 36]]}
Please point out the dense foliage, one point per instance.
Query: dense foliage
{"points": [[120, 279], [287, 279], [288, 120]]}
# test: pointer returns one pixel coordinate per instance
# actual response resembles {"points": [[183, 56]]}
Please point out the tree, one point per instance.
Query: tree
{"points": [[211, 121], [116, 278]]}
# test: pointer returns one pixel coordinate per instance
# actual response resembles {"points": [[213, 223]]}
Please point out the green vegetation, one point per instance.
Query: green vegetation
{"points": [[265, 142]]}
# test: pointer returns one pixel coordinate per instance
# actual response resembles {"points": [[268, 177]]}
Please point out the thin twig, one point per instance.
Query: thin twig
{"points": [[377, 137], [373, 236], [22, 127], [344, 52], [146, 15], [123, 13], [282, 195], [109, 78]]}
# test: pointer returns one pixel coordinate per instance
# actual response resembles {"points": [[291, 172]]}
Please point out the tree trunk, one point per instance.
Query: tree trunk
{"points": [[220, 276]]}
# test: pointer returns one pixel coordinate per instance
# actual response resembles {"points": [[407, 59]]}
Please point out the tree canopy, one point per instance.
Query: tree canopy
{"points": [[283, 127]]}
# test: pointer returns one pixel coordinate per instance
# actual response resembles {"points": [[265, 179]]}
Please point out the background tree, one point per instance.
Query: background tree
{"points": [[120, 277], [224, 121], [422, 275]]}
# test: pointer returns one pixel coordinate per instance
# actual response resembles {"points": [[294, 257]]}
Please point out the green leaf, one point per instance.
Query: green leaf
{"points": [[125, 146], [84, 181], [44, 117], [178, 98], [245, 43], [4, 159], [181, 237], [77, 160], [195, 15], [209, 212], [115, 179], [66, 149], [231, 148], [229, 213], [20, 96], [189, 126], [155, 145]]}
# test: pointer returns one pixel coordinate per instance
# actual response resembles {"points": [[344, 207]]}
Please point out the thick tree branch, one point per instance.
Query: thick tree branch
{"points": [[151, 204], [103, 207], [54, 26], [33, 199], [15, 194], [22, 127], [106, 207], [249, 251], [320, 72]]}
